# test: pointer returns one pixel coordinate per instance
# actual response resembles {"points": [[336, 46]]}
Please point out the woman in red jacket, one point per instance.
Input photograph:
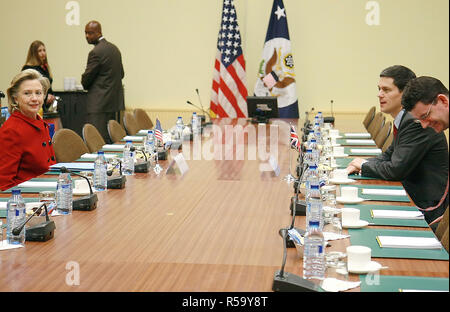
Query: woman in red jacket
{"points": [[26, 149]]}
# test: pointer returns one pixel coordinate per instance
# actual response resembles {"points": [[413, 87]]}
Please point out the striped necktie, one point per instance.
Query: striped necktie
{"points": [[395, 131]]}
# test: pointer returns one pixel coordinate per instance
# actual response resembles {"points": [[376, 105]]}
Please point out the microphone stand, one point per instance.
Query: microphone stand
{"points": [[285, 281], [141, 167], [41, 232], [200, 101], [85, 203], [116, 182]]}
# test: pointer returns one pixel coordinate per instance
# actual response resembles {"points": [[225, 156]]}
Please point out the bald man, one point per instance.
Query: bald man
{"points": [[103, 80]]}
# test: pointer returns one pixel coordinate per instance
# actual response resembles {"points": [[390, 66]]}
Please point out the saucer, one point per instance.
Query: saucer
{"points": [[342, 181], [372, 266], [340, 155], [359, 224], [343, 200]]}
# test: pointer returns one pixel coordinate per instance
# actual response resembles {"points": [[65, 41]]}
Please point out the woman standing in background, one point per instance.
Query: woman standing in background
{"points": [[37, 60]]}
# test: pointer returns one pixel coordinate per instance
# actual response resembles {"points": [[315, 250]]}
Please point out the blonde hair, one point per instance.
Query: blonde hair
{"points": [[33, 56], [13, 90]]}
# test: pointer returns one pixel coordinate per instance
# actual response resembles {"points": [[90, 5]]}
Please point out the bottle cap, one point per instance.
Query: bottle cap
{"points": [[16, 192], [314, 186], [150, 131], [100, 153], [314, 223], [128, 141]]}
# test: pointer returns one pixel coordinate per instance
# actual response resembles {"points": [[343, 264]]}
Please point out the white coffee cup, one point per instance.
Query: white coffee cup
{"points": [[349, 192], [340, 174], [350, 215], [81, 184], [338, 150], [358, 257]]}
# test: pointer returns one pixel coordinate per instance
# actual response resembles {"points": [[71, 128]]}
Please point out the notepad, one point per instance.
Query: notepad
{"points": [[357, 135], [107, 156], [354, 141], [133, 138], [143, 131], [74, 166], [371, 151], [37, 184], [408, 242], [388, 192], [396, 214], [113, 146]]}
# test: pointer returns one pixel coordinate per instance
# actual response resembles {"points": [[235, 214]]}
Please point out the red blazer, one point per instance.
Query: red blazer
{"points": [[26, 150]]}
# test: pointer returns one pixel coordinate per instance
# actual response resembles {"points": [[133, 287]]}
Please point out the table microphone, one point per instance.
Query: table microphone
{"points": [[285, 281], [200, 100], [85, 203], [116, 182], [142, 166], [41, 232]]}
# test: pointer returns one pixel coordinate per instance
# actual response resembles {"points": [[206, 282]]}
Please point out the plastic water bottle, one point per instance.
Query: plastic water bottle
{"points": [[317, 133], [314, 253], [314, 207], [128, 159], [309, 158], [312, 145], [319, 114], [311, 177], [15, 217], [64, 194], [100, 168], [150, 142], [194, 123], [179, 127]]}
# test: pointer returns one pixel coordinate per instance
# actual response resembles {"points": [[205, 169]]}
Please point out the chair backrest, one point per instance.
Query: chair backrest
{"points": [[142, 119], [443, 225], [68, 145], [130, 123], [444, 239], [92, 137], [116, 131], [376, 124], [369, 117], [388, 142], [383, 134]]}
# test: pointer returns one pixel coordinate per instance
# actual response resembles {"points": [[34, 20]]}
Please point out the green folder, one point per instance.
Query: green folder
{"points": [[360, 177], [392, 198], [34, 189], [367, 216], [386, 283], [367, 237], [93, 159], [343, 142], [343, 163]]}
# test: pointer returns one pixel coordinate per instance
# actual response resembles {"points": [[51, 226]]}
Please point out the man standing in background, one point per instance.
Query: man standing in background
{"points": [[103, 80]]}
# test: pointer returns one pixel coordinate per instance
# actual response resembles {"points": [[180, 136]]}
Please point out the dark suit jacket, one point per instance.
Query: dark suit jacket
{"points": [[103, 79], [419, 159]]}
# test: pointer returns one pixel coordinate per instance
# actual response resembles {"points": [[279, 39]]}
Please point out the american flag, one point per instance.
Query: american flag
{"points": [[229, 91], [295, 143], [158, 131]]}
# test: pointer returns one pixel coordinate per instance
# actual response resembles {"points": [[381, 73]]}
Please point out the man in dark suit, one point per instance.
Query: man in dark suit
{"points": [[417, 157], [103, 80]]}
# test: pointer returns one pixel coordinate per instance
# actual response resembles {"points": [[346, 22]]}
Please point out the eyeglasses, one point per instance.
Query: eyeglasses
{"points": [[427, 114]]}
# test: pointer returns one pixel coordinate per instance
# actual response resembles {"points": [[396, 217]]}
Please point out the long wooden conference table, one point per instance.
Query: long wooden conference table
{"points": [[214, 229]]}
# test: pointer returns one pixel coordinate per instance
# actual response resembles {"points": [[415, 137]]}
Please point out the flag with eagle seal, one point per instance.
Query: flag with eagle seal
{"points": [[276, 76]]}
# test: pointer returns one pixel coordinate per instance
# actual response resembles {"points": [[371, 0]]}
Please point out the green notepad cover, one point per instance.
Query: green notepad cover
{"points": [[386, 283], [343, 162], [343, 142], [367, 237], [359, 177], [366, 215], [93, 159], [404, 199]]}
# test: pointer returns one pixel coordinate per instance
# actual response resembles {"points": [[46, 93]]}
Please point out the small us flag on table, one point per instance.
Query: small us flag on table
{"points": [[158, 131]]}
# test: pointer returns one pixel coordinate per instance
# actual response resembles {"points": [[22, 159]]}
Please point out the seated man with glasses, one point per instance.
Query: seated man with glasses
{"points": [[427, 91], [417, 157]]}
